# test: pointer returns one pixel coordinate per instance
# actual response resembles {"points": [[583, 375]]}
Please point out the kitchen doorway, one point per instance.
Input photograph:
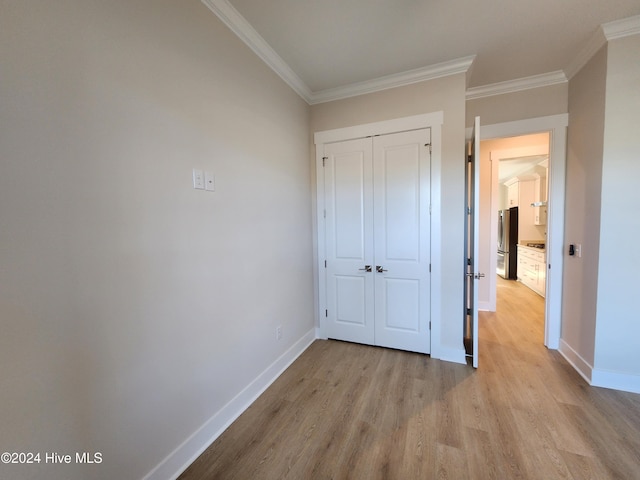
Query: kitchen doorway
{"points": [[522, 190], [503, 141]]}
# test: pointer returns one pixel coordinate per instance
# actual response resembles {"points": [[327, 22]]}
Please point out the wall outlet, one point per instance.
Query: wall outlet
{"points": [[279, 332], [209, 182]]}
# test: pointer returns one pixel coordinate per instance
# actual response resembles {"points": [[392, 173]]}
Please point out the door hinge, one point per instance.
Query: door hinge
{"points": [[326, 313], [429, 324], [325, 264], [324, 159], [468, 261], [429, 268], [468, 210], [468, 311], [469, 158]]}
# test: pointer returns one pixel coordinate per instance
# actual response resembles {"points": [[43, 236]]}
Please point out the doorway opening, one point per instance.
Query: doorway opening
{"points": [[555, 129], [517, 173]]}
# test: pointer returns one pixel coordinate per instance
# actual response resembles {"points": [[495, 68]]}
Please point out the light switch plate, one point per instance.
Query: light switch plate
{"points": [[198, 179], [209, 181]]}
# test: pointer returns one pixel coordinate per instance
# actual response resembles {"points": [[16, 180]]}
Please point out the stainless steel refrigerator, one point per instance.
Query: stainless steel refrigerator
{"points": [[507, 241]]}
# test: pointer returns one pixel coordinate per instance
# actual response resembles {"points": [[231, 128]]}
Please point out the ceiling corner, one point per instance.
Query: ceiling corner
{"points": [[606, 32], [430, 72], [239, 25]]}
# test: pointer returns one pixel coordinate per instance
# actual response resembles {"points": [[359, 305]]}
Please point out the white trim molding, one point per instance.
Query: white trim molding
{"points": [[245, 32], [453, 355], [605, 33], [557, 126], [517, 85], [243, 29], [460, 65], [185, 454], [433, 121], [615, 380], [596, 377], [622, 28], [580, 365], [379, 128]]}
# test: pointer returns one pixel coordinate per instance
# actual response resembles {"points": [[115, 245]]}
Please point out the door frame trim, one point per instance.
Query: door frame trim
{"points": [[434, 121], [556, 125]]}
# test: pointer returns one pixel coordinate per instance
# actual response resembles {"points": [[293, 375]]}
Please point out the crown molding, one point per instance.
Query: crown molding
{"points": [[243, 29], [622, 28], [519, 84], [239, 25], [452, 67], [605, 33]]}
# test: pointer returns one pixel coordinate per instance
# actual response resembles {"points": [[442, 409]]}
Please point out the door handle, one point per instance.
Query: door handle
{"points": [[367, 268], [379, 269], [477, 276]]}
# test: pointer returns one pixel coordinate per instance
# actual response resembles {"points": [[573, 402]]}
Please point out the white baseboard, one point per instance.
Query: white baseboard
{"points": [[615, 380], [484, 306], [456, 355], [576, 361], [597, 377], [184, 455]]}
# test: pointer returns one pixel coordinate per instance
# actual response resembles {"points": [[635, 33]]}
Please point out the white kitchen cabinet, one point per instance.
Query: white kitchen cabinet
{"points": [[513, 194], [520, 191], [532, 268], [540, 189], [540, 195], [540, 215]]}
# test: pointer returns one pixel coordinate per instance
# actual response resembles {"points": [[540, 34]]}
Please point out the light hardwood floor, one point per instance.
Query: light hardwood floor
{"points": [[347, 411]]}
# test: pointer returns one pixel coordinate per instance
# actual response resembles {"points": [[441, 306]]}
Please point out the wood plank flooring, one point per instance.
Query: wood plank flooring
{"points": [[348, 411]]}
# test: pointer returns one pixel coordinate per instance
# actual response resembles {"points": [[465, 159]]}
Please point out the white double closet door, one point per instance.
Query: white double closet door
{"points": [[377, 240]]}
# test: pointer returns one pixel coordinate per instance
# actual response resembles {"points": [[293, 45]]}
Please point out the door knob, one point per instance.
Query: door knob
{"points": [[367, 268], [379, 269]]}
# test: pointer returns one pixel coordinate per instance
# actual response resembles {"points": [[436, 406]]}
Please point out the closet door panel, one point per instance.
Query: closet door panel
{"points": [[349, 240], [401, 175]]}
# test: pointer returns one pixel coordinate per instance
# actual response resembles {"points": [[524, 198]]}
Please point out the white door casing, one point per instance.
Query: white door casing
{"points": [[433, 121], [377, 240], [556, 125]]}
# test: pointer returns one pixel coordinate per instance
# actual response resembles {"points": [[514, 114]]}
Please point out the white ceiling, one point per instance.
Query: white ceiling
{"points": [[512, 167], [331, 44]]}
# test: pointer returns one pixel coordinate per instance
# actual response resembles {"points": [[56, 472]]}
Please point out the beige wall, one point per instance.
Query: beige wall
{"points": [[133, 307], [600, 328], [582, 221], [617, 326], [443, 94], [536, 102]]}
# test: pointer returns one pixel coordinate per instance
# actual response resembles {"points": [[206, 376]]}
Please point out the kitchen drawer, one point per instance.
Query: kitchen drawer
{"points": [[526, 262], [538, 256], [531, 253]]}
